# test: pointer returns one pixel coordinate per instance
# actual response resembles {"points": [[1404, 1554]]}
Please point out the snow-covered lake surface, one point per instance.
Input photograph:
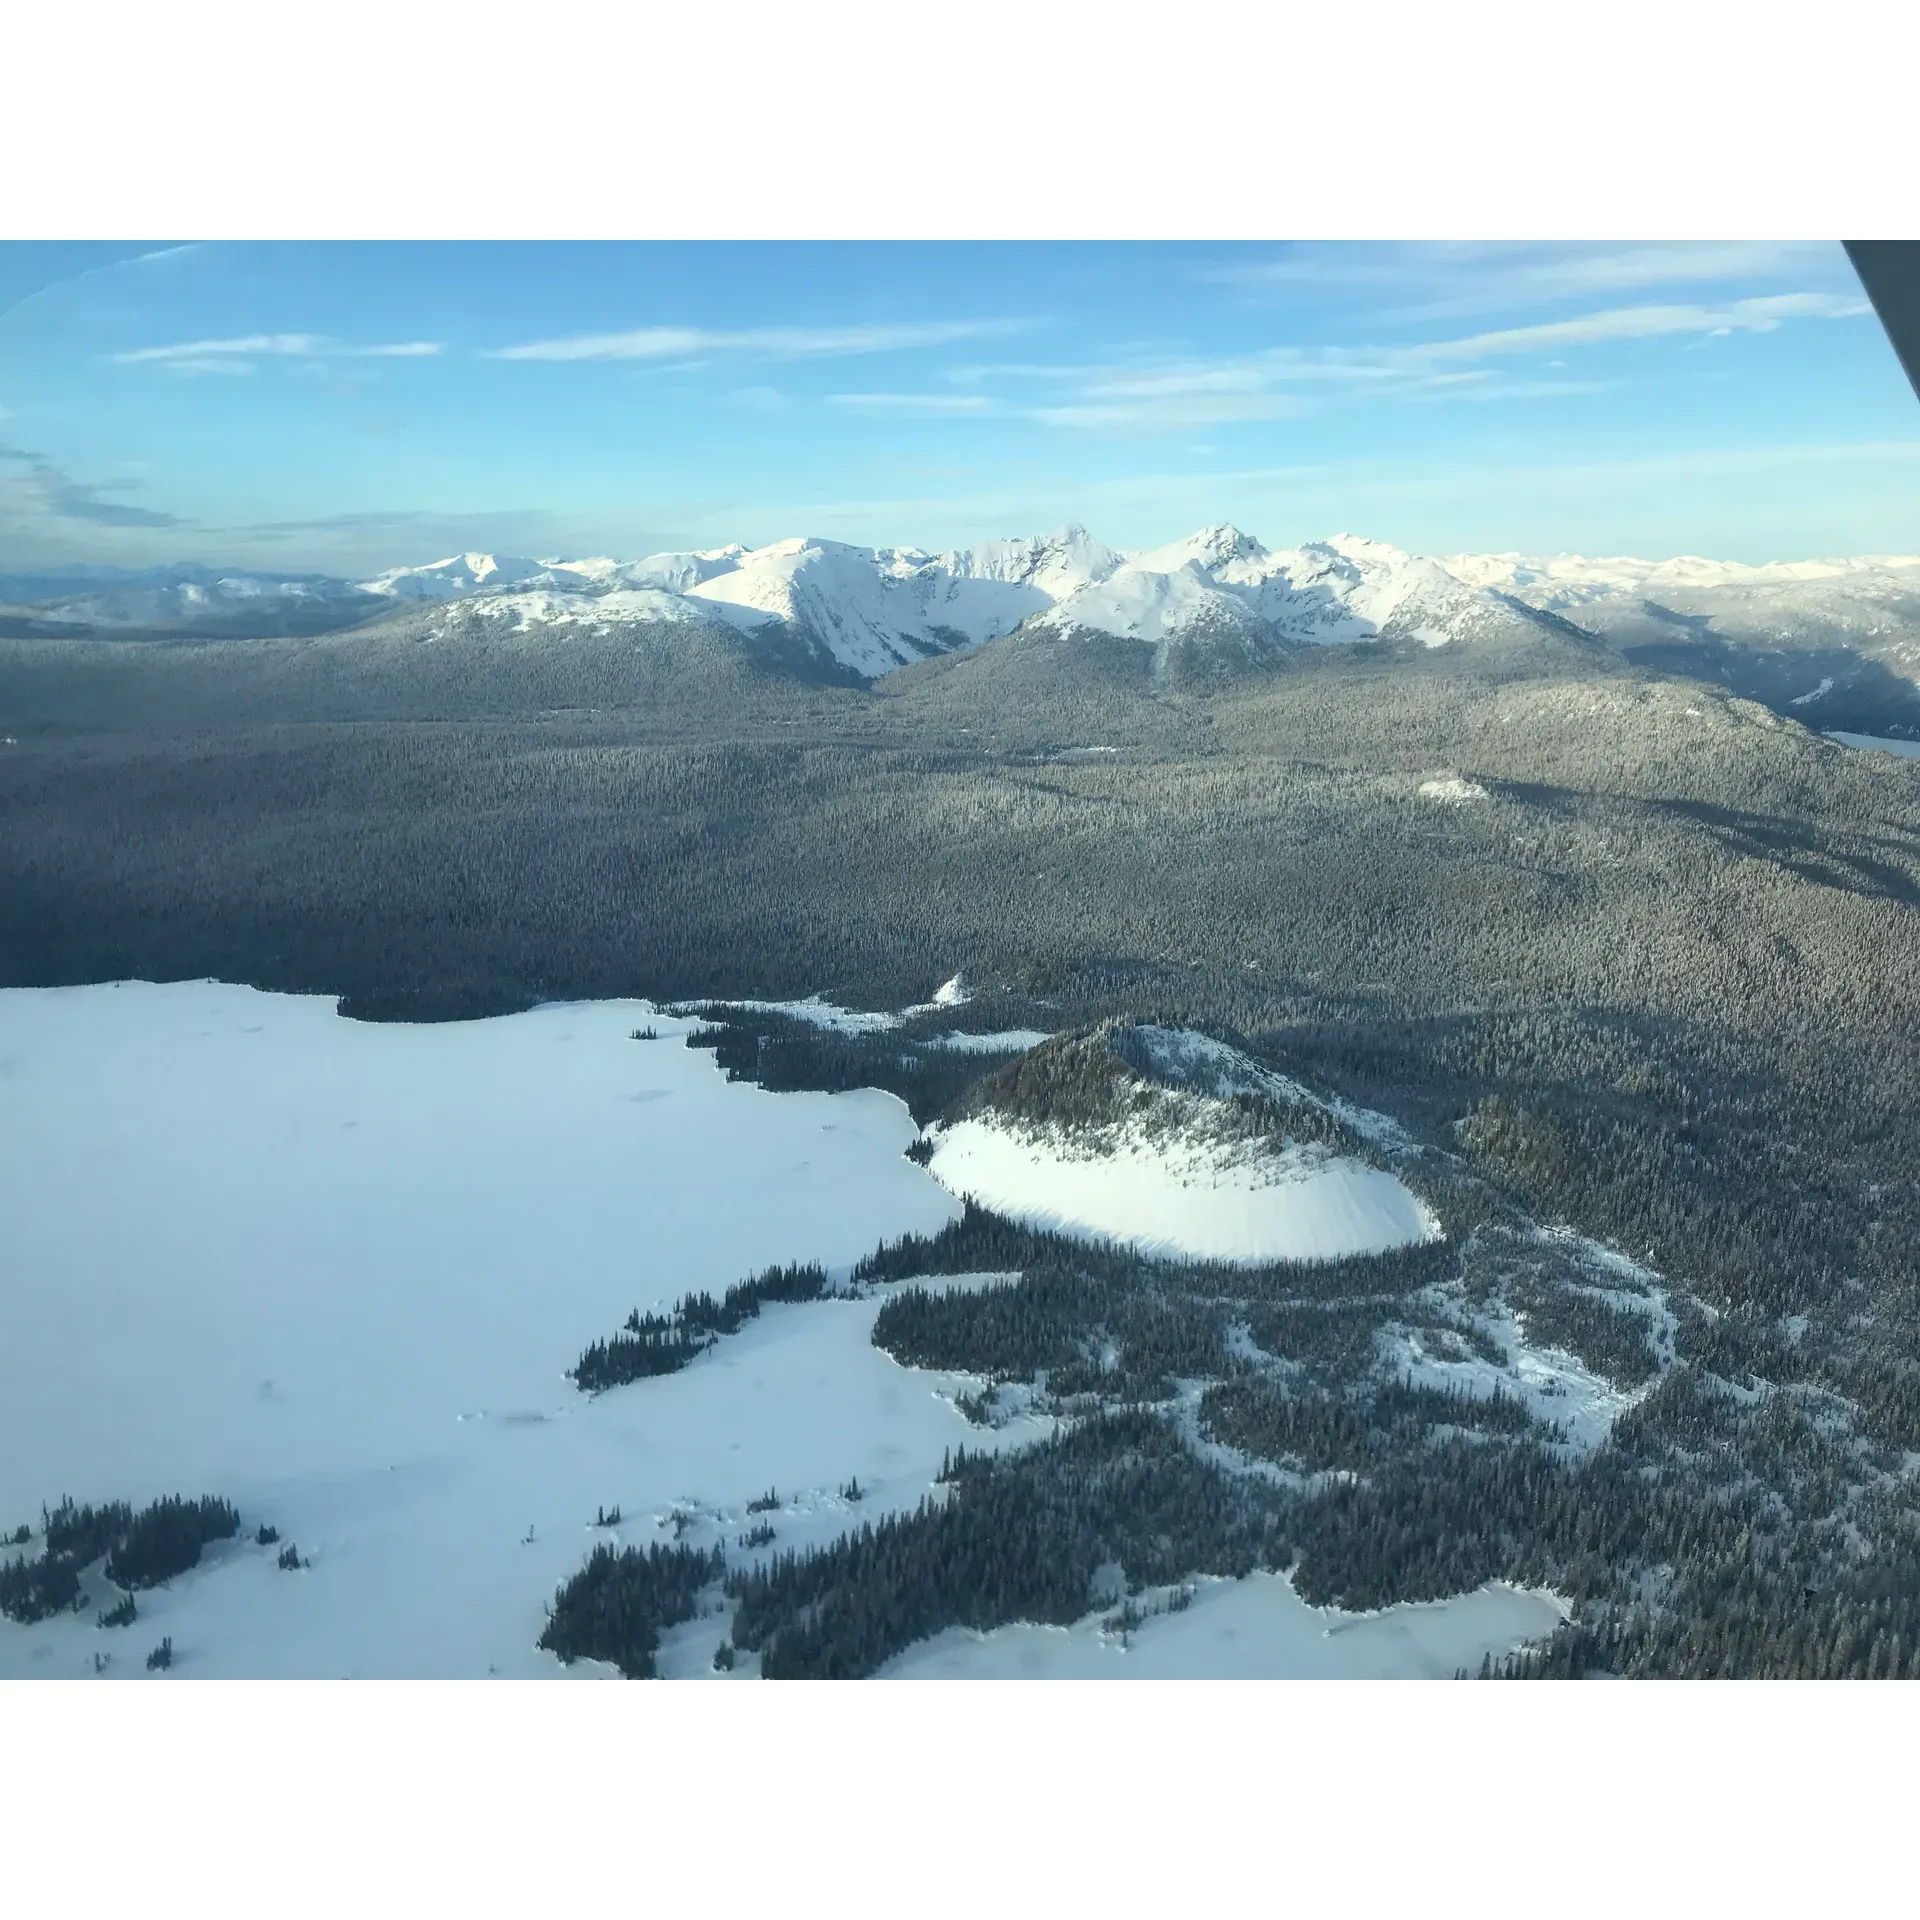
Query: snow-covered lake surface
{"points": [[1202, 1200], [335, 1272], [1909, 749]]}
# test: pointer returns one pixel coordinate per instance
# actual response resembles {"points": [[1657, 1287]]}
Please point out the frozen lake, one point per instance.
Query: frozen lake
{"points": [[1878, 743], [336, 1272]]}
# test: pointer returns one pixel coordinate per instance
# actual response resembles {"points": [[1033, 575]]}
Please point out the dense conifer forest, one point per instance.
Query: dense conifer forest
{"points": [[615, 1607], [1653, 985]]}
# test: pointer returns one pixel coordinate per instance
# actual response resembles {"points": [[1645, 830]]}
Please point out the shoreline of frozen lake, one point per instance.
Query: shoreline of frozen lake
{"points": [[335, 1272], [1877, 743]]}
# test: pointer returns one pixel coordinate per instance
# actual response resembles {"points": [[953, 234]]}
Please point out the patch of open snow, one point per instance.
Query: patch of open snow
{"points": [[548, 608], [1255, 1628], [1555, 1385], [462, 574], [820, 1012], [1907, 749], [1819, 693], [1014, 1040], [1623, 1283], [1449, 790], [1197, 1199]]}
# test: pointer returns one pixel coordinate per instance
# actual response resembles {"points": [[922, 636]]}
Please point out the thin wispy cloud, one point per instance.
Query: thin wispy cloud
{"points": [[1169, 413], [45, 492], [1157, 407], [1179, 382], [1439, 279], [249, 344], [209, 363], [1278, 383], [927, 405], [1014, 370], [777, 343], [1477, 388], [239, 354], [1762, 314], [1515, 277]]}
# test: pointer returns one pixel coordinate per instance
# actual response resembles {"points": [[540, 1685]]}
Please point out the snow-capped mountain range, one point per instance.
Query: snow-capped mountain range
{"points": [[1875, 597], [869, 609], [873, 609], [865, 610]]}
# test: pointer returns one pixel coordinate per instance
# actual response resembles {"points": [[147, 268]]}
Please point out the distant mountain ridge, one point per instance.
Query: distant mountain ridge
{"points": [[1849, 628], [1835, 642], [873, 609]]}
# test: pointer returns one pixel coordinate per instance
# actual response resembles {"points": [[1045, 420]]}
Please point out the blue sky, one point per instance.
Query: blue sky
{"points": [[346, 407]]}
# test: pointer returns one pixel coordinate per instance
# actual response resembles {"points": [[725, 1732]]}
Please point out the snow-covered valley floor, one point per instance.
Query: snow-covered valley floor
{"points": [[336, 1272]]}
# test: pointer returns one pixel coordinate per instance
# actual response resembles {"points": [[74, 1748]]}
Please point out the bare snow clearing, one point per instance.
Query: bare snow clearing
{"points": [[1555, 1385], [1449, 790], [1014, 1040], [1196, 1198], [815, 1011], [1256, 1628]]}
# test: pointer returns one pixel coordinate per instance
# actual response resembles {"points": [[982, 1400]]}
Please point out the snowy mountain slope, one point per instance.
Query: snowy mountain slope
{"points": [[874, 609], [835, 595], [462, 574], [1051, 564], [1569, 580], [677, 572], [1830, 642], [546, 606], [1872, 601], [1222, 585], [187, 598]]}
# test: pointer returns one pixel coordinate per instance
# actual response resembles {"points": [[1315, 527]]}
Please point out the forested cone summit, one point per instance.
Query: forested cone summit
{"points": [[1123, 1076]]}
